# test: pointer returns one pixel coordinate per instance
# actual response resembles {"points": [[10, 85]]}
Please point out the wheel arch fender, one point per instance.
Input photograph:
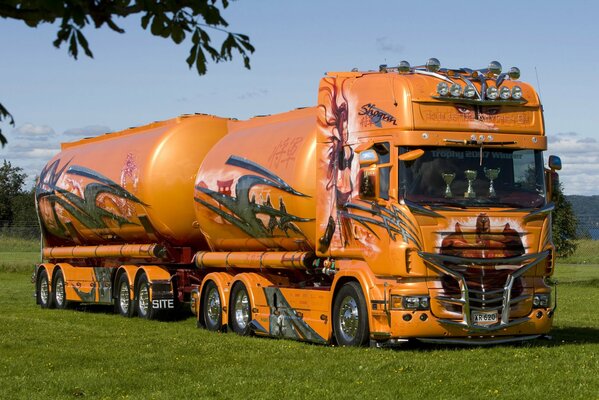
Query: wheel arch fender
{"points": [[222, 280], [253, 283]]}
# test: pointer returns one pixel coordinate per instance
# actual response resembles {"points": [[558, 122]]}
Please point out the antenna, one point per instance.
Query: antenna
{"points": [[538, 83]]}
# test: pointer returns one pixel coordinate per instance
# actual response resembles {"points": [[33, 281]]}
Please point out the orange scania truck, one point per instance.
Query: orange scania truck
{"points": [[410, 203]]}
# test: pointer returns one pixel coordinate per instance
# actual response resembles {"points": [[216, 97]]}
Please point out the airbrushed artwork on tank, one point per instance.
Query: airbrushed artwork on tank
{"points": [[477, 238], [101, 290], [287, 322], [392, 219], [100, 201], [244, 211]]}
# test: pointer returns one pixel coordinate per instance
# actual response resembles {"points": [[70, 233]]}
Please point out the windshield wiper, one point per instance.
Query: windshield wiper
{"points": [[439, 204]]}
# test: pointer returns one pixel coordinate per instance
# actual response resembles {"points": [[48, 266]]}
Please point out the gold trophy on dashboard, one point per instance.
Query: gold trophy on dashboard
{"points": [[448, 178], [470, 176]]}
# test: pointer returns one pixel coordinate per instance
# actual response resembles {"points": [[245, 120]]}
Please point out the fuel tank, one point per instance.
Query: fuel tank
{"points": [[134, 186], [255, 189]]}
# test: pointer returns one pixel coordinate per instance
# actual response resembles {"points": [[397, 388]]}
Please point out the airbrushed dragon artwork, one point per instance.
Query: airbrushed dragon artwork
{"points": [[411, 203]]}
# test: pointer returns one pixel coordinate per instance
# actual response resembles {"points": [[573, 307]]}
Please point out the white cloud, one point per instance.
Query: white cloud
{"points": [[580, 162], [32, 130]]}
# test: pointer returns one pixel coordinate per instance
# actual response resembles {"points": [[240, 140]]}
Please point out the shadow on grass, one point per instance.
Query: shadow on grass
{"points": [[180, 314]]}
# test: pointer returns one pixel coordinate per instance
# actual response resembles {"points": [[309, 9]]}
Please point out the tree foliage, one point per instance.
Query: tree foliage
{"points": [[11, 184], [564, 224], [174, 19]]}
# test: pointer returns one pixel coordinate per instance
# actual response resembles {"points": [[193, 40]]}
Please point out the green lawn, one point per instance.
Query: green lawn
{"points": [[92, 353]]}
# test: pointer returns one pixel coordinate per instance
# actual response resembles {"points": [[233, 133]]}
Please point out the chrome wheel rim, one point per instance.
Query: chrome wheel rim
{"points": [[59, 291], [242, 309], [349, 318], [144, 299], [213, 308], [124, 300], [44, 292]]}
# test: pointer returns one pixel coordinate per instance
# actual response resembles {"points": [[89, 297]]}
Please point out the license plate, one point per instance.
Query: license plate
{"points": [[484, 317]]}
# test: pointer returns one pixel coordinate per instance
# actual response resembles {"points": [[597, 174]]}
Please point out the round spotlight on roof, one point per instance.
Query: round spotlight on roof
{"points": [[383, 68], [514, 73], [442, 88], [492, 92], [455, 90], [505, 93], [433, 65], [495, 67], [403, 67], [469, 91], [516, 93]]}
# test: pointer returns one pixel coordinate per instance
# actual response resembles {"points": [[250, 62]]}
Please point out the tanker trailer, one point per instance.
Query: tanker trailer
{"points": [[410, 203]]}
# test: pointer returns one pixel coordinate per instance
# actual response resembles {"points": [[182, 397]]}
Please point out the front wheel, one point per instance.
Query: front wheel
{"points": [[350, 316], [240, 310], [212, 309], [124, 305]]}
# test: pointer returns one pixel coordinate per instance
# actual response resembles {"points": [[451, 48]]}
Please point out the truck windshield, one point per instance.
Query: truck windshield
{"points": [[462, 177]]}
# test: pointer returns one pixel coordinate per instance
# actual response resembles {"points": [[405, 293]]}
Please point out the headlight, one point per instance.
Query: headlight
{"points": [[442, 89], [505, 93], [409, 302], [469, 91], [541, 300], [455, 90], [492, 92], [516, 93]]}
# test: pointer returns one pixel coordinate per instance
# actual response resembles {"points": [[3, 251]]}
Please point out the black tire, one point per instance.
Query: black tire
{"points": [[43, 293], [143, 299], [240, 310], [124, 305], [59, 294], [212, 307], [350, 316]]}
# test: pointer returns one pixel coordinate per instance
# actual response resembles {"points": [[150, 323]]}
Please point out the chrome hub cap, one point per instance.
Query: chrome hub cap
{"points": [[59, 291], [349, 318], [213, 308], [144, 299], [124, 300], [242, 309], [44, 293]]}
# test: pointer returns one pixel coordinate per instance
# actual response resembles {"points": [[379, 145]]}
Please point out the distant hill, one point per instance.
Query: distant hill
{"points": [[586, 209]]}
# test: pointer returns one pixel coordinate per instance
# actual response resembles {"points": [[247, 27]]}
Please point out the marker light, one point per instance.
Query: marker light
{"points": [[495, 67], [492, 92], [433, 65], [469, 91], [455, 90], [514, 73], [403, 67], [516, 93], [442, 89], [505, 93]]}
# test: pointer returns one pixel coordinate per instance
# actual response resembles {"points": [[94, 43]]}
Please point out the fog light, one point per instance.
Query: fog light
{"points": [[442, 89], [455, 90], [469, 91], [492, 92], [505, 93], [423, 317], [407, 317], [516, 93]]}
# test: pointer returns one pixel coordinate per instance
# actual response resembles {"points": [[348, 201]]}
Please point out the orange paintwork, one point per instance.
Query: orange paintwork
{"points": [[240, 193]]}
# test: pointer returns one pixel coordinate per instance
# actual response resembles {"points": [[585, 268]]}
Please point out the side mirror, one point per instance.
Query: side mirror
{"points": [[555, 163], [368, 186]]}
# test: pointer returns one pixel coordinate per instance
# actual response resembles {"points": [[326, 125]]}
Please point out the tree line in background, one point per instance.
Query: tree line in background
{"points": [[18, 215]]}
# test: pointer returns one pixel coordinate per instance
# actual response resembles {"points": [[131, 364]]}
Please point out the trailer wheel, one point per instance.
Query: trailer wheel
{"points": [[144, 301], [43, 290], [240, 310], [350, 316], [212, 308], [124, 305], [60, 296]]}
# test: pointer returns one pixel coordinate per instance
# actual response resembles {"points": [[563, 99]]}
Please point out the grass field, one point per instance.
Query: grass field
{"points": [[90, 353]]}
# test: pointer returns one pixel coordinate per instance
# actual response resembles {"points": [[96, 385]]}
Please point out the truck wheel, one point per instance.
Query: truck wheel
{"points": [[43, 290], [60, 296], [124, 305], [212, 309], [144, 302], [350, 316], [241, 310]]}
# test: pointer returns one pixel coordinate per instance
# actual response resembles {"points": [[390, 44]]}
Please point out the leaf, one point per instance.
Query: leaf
{"points": [[73, 48], [83, 42]]}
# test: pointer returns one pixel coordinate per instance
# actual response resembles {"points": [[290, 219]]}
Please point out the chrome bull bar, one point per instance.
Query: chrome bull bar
{"points": [[503, 295]]}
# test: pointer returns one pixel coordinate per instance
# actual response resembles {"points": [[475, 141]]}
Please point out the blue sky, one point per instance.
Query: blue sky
{"points": [[136, 78]]}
